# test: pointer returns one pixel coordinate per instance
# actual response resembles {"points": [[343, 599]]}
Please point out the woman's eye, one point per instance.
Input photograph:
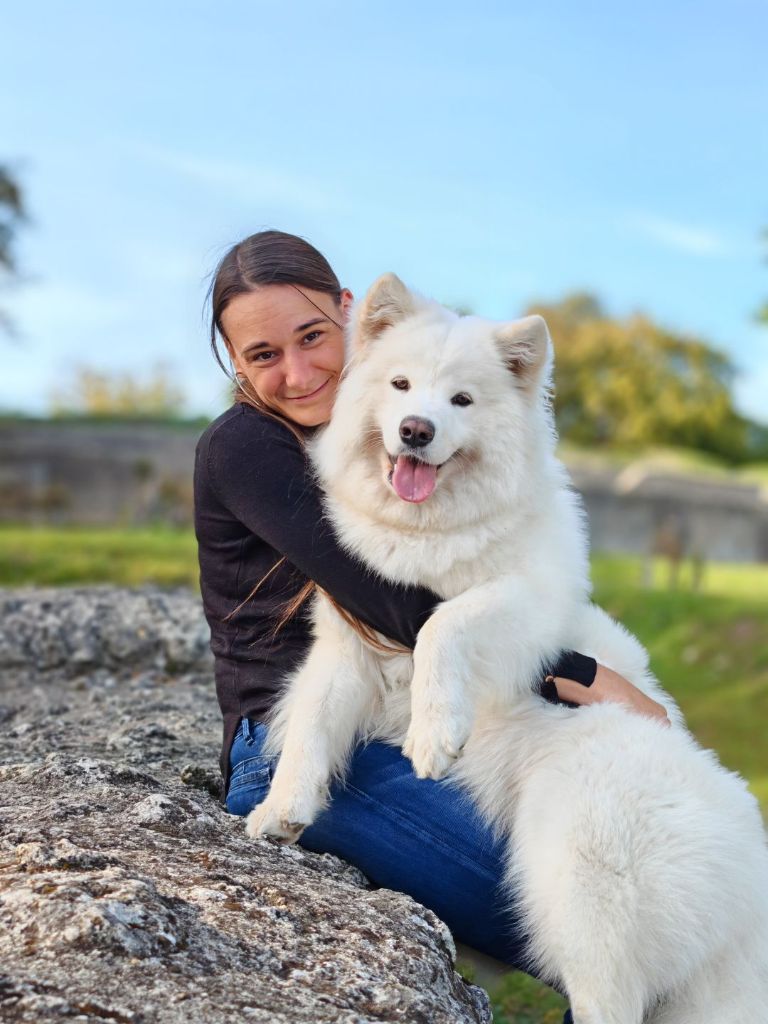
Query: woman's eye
{"points": [[461, 399], [401, 384], [312, 336]]}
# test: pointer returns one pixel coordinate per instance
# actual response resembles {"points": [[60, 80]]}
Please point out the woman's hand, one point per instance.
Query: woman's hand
{"points": [[609, 685]]}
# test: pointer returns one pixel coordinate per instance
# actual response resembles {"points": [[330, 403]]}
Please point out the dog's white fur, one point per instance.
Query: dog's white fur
{"points": [[639, 862]]}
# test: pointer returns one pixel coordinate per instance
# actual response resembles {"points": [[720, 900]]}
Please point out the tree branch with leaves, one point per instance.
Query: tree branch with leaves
{"points": [[629, 383], [12, 215]]}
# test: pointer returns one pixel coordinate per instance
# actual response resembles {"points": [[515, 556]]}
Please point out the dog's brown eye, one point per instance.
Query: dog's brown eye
{"points": [[401, 384], [461, 399]]}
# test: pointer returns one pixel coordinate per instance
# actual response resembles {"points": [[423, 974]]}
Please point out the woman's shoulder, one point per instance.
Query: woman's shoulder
{"points": [[243, 448], [242, 424]]}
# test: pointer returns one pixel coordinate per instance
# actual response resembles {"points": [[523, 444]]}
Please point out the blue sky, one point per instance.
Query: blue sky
{"points": [[489, 153]]}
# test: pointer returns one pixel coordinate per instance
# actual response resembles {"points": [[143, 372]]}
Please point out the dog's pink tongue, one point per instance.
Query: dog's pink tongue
{"points": [[413, 480]]}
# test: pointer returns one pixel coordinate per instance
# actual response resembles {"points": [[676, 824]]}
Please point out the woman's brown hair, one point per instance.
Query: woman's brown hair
{"points": [[268, 258]]}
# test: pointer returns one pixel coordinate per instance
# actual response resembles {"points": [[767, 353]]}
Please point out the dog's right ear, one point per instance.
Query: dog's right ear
{"points": [[524, 345], [386, 303]]}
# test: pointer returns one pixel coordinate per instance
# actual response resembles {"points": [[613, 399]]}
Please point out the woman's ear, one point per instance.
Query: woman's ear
{"points": [[346, 300], [232, 355]]}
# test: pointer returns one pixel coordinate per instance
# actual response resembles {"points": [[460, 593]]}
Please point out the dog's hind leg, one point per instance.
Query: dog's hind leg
{"points": [[731, 988], [317, 722], [603, 984], [602, 1004], [591, 922]]}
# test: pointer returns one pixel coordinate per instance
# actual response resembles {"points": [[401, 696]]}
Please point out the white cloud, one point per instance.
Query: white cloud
{"points": [[674, 235]]}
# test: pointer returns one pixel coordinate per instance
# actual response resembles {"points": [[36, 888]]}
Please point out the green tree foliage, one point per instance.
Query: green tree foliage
{"points": [[630, 383], [94, 393], [12, 214]]}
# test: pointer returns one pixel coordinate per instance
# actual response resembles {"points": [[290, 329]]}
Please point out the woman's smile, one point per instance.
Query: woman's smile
{"points": [[311, 395]]}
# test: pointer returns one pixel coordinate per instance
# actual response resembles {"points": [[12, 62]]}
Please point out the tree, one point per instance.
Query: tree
{"points": [[119, 395], [631, 383], [12, 215]]}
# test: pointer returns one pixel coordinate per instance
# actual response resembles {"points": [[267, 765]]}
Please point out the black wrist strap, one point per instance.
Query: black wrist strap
{"points": [[572, 665]]}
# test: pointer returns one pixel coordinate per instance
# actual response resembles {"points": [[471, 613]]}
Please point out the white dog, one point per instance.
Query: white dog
{"points": [[640, 863]]}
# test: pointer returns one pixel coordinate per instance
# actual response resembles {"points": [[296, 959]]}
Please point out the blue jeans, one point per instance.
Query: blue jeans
{"points": [[417, 836]]}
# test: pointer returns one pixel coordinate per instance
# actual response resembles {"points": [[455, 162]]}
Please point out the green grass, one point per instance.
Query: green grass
{"points": [[520, 999], [709, 648], [719, 579], [129, 557]]}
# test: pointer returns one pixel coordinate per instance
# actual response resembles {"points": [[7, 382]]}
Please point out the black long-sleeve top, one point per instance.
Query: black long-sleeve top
{"points": [[255, 502]]}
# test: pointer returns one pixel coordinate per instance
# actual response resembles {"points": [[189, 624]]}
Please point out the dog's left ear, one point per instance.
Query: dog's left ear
{"points": [[524, 346], [386, 303]]}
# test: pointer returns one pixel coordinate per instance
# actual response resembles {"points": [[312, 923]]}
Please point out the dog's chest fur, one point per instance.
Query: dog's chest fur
{"points": [[451, 560]]}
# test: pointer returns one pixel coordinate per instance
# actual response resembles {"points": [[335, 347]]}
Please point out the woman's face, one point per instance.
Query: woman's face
{"points": [[290, 351]]}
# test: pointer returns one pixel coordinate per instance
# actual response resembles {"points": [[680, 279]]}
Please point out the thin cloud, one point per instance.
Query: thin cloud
{"points": [[246, 181], [54, 307], [674, 235]]}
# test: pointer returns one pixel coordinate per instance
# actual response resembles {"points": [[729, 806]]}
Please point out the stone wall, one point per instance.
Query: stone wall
{"points": [[90, 473], [127, 893], [649, 512], [96, 473]]}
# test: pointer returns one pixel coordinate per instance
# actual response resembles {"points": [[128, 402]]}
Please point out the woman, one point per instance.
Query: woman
{"points": [[280, 310]]}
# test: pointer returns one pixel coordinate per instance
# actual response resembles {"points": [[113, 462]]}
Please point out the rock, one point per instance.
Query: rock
{"points": [[127, 893], [82, 628], [202, 778]]}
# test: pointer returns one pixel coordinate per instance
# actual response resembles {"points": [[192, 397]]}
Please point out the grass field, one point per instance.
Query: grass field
{"points": [[709, 648], [128, 557]]}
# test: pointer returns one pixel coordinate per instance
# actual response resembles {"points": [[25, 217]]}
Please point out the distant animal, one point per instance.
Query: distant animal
{"points": [[639, 863]]}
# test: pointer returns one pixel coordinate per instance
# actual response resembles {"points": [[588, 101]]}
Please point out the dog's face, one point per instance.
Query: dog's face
{"points": [[430, 407], [436, 397]]}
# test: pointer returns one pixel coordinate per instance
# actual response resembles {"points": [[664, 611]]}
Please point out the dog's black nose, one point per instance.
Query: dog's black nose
{"points": [[416, 432]]}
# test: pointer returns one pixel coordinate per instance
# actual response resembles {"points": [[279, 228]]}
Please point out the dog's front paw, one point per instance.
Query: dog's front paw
{"points": [[434, 741], [269, 821], [282, 819]]}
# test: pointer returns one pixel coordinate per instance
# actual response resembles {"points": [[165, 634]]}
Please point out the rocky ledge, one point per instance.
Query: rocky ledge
{"points": [[127, 893]]}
